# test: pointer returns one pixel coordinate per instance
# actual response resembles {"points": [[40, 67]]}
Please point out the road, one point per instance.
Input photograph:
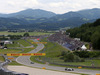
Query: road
{"points": [[26, 61]]}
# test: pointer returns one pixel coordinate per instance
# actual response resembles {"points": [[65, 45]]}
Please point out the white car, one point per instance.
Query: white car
{"points": [[69, 69]]}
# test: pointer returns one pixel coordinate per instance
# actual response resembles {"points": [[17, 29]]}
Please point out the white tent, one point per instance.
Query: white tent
{"points": [[83, 47], [7, 42]]}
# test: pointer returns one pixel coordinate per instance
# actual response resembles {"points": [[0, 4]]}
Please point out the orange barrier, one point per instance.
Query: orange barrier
{"points": [[80, 67], [10, 58], [43, 68]]}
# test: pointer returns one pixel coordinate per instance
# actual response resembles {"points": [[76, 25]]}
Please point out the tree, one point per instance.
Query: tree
{"points": [[89, 32], [15, 36], [26, 34], [69, 57], [95, 39]]}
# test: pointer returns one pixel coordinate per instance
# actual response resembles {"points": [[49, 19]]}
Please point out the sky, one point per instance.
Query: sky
{"points": [[56, 6]]}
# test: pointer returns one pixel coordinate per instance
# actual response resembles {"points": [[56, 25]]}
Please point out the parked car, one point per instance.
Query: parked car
{"points": [[69, 69]]}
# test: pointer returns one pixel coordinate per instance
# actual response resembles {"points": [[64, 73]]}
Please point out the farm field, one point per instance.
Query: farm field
{"points": [[22, 33]]}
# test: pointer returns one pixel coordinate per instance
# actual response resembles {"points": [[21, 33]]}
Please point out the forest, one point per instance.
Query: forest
{"points": [[89, 32]]}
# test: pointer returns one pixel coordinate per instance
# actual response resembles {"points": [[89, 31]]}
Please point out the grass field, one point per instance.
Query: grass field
{"points": [[86, 63], [29, 40], [4, 51], [22, 33], [32, 58], [23, 43], [15, 44], [1, 59], [53, 50], [14, 63], [26, 50]]}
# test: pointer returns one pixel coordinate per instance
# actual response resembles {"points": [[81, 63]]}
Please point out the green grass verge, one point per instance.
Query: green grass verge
{"points": [[86, 63], [29, 40], [15, 44], [23, 42], [14, 63], [26, 50], [53, 50], [32, 58], [4, 51], [2, 59], [73, 67]]}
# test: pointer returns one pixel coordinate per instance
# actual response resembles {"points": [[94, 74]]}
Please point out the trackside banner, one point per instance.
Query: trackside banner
{"points": [[26, 54]]}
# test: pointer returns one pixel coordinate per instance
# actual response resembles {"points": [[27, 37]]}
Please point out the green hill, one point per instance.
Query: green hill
{"points": [[89, 32]]}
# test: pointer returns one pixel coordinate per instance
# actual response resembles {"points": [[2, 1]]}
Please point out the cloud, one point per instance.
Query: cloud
{"points": [[17, 5], [74, 5], [57, 6]]}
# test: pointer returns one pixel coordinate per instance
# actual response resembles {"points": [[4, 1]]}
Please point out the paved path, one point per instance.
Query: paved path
{"points": [[26, 61]]}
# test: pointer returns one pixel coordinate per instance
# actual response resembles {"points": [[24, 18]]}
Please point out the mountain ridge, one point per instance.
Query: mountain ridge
{"points": [[70, 19], [36, 13]]}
